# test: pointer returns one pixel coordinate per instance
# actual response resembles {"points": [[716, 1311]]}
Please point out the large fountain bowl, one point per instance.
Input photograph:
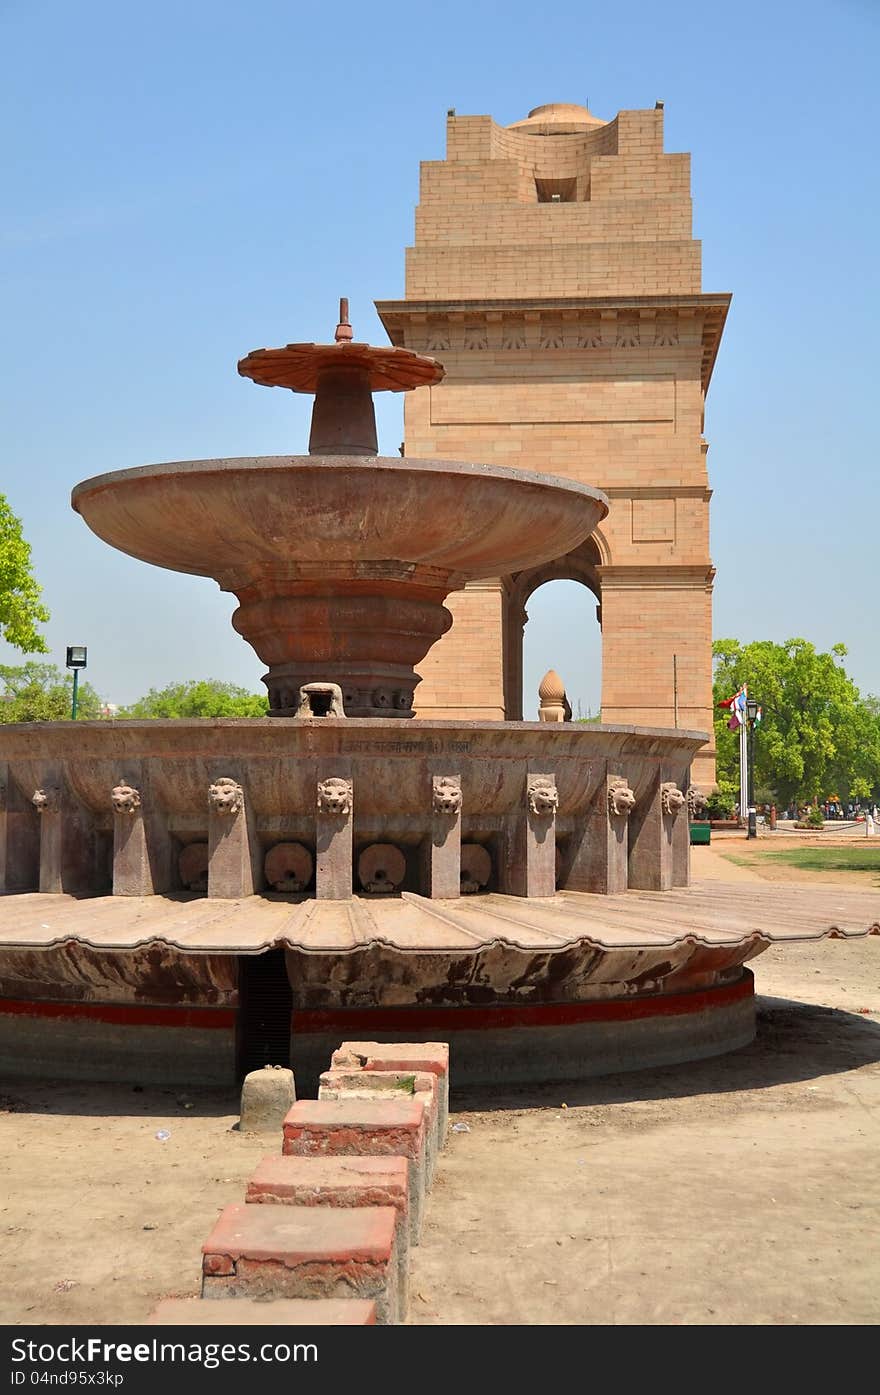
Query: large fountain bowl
{"points": [[225, 518], [341, 563]]}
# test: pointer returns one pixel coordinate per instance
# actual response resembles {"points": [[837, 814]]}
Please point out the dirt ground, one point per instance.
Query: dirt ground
{"points": [[738, 1190]]}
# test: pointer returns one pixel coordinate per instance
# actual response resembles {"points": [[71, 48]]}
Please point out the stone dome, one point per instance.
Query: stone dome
{"points": [[566, 117]]}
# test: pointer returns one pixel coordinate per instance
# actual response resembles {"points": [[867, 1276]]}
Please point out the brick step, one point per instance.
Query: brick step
{"points": [[402, 1055], [251, 1312], [345, 1084], [368, 1127], [272, 1251], [338, 1181]]}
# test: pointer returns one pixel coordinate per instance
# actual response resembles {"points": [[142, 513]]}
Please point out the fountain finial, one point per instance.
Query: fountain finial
{"points": [[344, 332]]}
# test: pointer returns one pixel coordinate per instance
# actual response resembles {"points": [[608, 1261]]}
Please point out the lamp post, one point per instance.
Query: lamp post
{"points": [[77, 656], [751, 718]]}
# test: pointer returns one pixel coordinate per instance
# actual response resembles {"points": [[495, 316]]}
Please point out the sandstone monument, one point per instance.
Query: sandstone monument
{"points": [[555, 272]]}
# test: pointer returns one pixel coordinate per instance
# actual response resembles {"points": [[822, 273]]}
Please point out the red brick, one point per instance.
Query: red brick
{"points": [[306, 1252], [416, 1056]]}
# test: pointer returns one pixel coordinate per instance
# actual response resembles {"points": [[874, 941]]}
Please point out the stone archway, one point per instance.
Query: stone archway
{"points": [[581, 565]]}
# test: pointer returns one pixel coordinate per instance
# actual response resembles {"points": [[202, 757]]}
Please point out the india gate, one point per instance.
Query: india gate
{"points": [[555, 273]]}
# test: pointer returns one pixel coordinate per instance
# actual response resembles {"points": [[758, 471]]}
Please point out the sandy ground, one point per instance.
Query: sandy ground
{"points": [[738, 1190]]}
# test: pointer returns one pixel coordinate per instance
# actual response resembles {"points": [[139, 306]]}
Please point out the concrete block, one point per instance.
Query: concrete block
{"points": [[389, 1128], [266, 1096], [432, 1056], [340, 1084], [249, 1312], [272, 1252], [345, 1181]]}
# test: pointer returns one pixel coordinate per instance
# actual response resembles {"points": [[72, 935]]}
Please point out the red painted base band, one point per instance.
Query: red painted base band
{"points": [[125, 1015], [353, 1021], [447, 1020]]}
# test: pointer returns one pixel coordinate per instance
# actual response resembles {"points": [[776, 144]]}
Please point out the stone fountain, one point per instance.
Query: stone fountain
{"points": [[188, 898], [341, 560]]}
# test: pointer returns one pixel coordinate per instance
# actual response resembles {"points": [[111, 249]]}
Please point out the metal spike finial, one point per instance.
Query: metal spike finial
{"points": [[344, 332]]}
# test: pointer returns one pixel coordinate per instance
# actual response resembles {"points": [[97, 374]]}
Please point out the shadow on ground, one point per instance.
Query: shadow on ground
{"points": [[103, 1099], [795, 1041]]}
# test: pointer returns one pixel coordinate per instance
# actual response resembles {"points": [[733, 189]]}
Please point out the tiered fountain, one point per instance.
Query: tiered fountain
{"points": [[495, 883]]}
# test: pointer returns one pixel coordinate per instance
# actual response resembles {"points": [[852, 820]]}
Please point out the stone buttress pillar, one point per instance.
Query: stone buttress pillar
{"points": [[142, 850], [527, 866], [443, 848], [234, 860], [334, 833]]}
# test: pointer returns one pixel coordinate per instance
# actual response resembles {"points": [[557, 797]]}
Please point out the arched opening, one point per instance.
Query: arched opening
{"points": [[559, 600]]}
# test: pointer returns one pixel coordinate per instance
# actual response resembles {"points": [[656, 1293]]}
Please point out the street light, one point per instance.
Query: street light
{"points": [[77, 658], [752, 709]]}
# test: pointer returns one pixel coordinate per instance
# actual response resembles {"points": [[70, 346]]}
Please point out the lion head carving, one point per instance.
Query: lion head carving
{"points": [[335, 796], [47, 801], [226, 796], [543, 796], [621, 800], [446, 795], [696, 801], [671, 797], [125, 798]]}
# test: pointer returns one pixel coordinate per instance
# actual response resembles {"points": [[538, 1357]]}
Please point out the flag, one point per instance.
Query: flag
{"points": [[759, 716], [737, 706]]}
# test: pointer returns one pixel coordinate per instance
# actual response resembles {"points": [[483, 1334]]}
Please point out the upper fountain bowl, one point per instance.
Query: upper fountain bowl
{"points": [[236, 520]]}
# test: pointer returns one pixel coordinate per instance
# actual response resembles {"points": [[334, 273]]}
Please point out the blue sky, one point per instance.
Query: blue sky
{"points": [[186, 181]]}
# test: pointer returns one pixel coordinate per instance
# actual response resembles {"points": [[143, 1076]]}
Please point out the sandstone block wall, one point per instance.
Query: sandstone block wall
{"points": [[555, 275]]}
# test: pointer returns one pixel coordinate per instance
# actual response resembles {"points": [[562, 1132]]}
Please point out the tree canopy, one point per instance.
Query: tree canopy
{"points": [[21, 610], [817, 734], [37, 692], [207, 697]]}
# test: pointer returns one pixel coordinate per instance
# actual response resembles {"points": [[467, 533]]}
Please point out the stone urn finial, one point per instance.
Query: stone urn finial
{"points": [[553, 703], [552, 688]]}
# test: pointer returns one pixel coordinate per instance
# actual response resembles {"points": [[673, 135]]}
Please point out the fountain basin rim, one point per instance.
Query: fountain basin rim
{"points": [[678, 737], [337, 464]]}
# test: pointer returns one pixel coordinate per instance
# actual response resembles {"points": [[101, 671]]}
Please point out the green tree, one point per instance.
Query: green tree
{"points": [[21, 610], [817, 733], [36, 692], [206, 697]]}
